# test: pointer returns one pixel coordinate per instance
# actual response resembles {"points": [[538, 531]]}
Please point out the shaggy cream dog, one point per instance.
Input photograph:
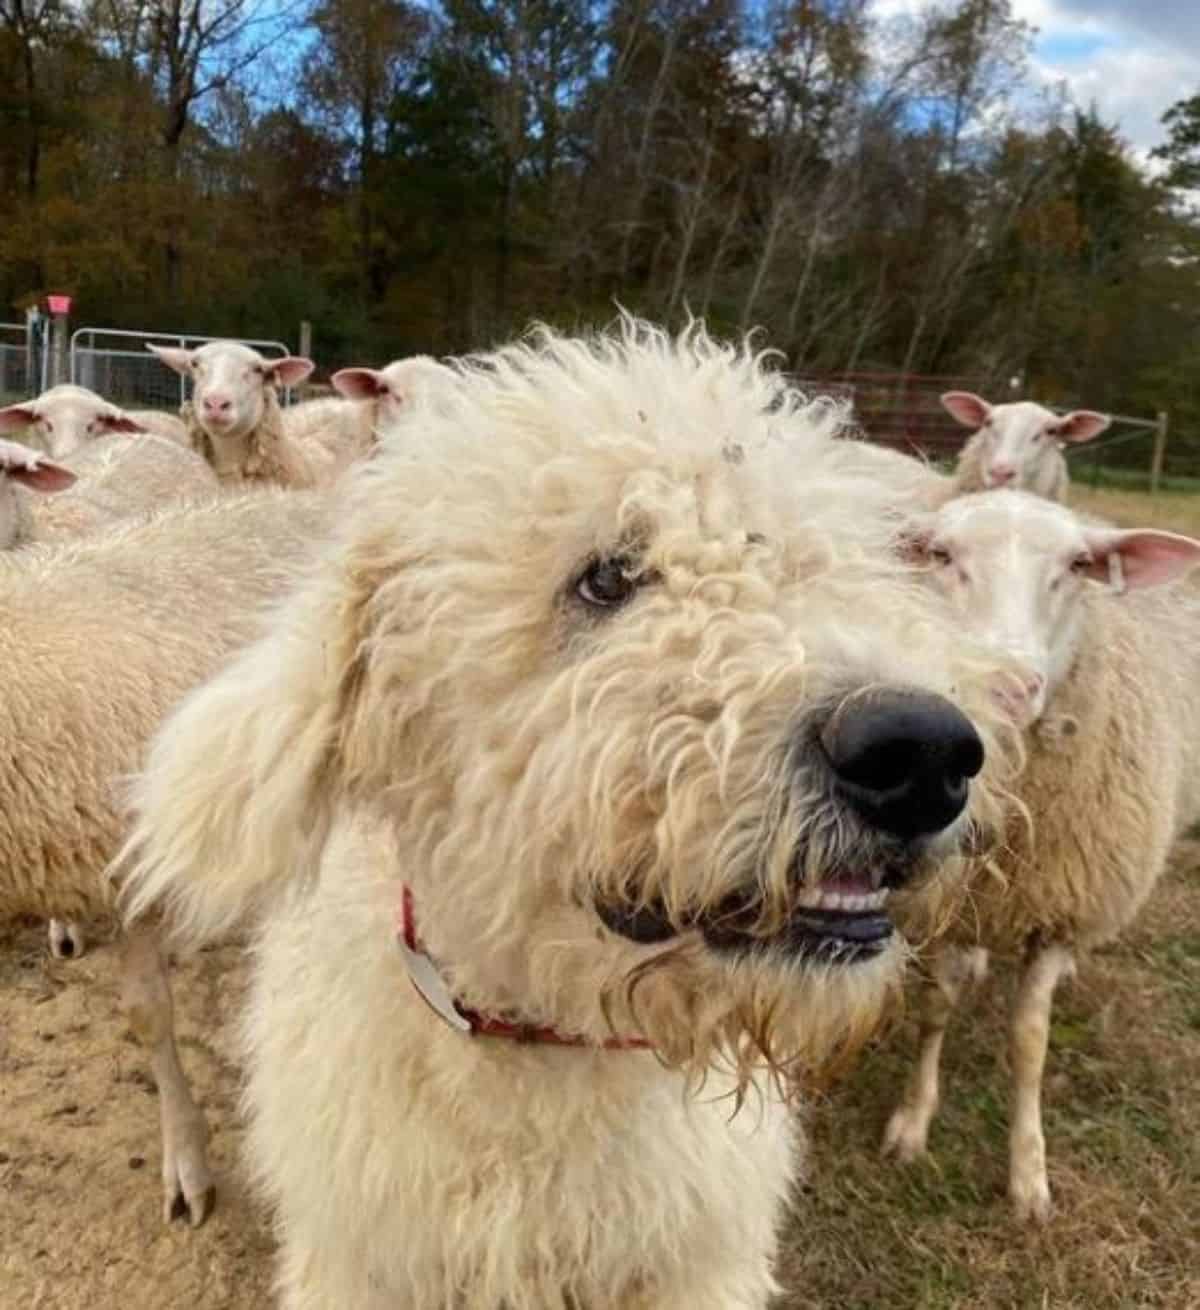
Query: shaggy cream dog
{"points": [[571, 791]]}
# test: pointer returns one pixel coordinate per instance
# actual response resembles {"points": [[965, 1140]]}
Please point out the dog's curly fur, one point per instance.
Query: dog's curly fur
{"points": [[442, 704]]}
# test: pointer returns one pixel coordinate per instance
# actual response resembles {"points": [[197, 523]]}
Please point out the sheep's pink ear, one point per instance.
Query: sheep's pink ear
{"points": [[121, 423], [32, 469], [1080, 425], [970, 410], [175, 357], [288, 371], [1143, 557], [359, 383], [16, 417]]}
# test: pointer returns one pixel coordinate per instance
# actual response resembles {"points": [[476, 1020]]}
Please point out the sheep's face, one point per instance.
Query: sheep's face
{"points": [[1019, 439], [65, 418], [1015, 569], [230, 382]]}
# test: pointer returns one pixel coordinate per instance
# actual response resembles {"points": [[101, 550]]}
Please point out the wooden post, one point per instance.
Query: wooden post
{"points": [[1160, 450]]}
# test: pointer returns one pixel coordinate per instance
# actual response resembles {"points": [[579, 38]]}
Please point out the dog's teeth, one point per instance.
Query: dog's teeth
{"points": [[814, 898]]}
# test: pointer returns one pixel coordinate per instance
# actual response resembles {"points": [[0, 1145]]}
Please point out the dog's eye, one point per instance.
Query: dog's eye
{"points": [[607, 583]]}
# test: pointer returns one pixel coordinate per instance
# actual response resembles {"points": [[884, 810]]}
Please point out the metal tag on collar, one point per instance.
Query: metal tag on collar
{"points": [[431, 987]]}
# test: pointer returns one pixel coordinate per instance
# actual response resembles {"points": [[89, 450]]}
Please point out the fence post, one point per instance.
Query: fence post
{"points": [[306, 339], [35, 325], [60, 310], [1160, 450]]}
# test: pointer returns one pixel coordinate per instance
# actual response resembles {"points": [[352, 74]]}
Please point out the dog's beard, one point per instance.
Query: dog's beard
{"points": [[759, 1015]]}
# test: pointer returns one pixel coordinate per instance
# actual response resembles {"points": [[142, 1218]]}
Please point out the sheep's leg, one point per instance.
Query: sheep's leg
{"points": [[146, 993], [1045, 967], [953, 971]]}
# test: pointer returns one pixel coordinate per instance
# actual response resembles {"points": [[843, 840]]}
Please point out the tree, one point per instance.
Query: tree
{"points": [[1181, 151], [365, 53]]}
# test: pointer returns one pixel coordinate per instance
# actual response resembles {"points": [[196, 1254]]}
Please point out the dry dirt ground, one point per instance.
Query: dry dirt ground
{"points": [[79, 1154], [79, 1218], [79, 1193]]}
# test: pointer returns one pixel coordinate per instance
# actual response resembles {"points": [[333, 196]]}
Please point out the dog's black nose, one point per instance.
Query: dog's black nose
{"points": [[903, 759]]}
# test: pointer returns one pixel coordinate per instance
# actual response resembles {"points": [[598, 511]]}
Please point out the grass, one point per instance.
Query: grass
{"points": [[1174, 511], [1122, 1119], [1129, 479]]}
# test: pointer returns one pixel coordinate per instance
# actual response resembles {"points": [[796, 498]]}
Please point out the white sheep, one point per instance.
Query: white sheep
{"points": [[21, 466], [1112, 731], [234, 418], [108, 478], [335, 431], [100, 638], [66, 417], [1017, 445], [118, 477]]}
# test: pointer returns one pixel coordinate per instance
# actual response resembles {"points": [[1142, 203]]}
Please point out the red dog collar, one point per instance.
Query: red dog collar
{"points": [[432, 989]]}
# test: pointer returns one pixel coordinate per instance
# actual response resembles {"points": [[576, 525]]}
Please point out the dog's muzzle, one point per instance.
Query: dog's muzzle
{"points": [[901, 762]]}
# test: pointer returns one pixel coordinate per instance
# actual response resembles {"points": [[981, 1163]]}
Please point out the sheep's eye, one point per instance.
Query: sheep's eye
{"points": [[607, 583], [939, 555], [1081, 563]]}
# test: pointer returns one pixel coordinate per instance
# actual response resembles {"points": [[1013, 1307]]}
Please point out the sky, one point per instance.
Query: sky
{"points": [[1134, 58]]}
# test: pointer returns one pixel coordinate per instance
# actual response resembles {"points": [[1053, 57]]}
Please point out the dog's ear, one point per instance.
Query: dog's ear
{"points": [[242, 782]]}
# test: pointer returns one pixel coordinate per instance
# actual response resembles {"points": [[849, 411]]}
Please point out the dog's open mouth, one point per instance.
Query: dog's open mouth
{"points": [[841, 921]]}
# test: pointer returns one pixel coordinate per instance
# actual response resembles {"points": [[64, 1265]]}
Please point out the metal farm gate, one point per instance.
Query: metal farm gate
{"points": [[117, 365], [24, 361]]}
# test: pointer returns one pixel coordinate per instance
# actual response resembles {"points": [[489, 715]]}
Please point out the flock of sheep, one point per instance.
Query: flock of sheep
{"points": [[141, 550]]}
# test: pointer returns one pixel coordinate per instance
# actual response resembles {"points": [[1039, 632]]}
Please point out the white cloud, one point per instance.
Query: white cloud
{"points": [[1131, 87], [1133, 58]]}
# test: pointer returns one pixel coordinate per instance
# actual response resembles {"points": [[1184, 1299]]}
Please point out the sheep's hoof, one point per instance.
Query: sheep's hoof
{"points": [[906, 1137], [67, 940], [1031, 1201], [188, 1189], [195, 1208]]}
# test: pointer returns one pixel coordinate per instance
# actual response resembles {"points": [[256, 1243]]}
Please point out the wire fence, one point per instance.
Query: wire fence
{"points": [[22, 363], [904, 412], [116, 364]]}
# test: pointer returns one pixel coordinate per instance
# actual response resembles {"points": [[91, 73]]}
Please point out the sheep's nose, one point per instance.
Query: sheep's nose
{"points": [[1002, 474], [903, 760], [217, 405]]}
